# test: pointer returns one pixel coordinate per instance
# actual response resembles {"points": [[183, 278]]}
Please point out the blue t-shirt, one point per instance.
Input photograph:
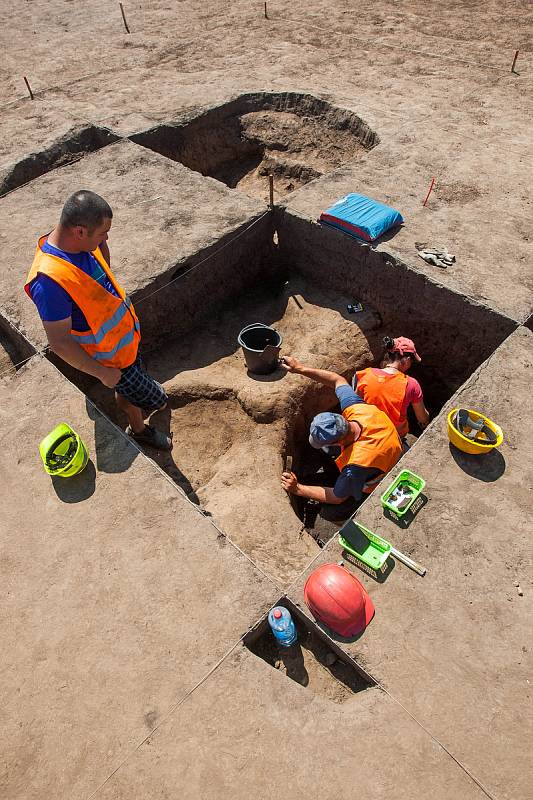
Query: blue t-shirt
{"points": [[353, 477], [53, 302]]}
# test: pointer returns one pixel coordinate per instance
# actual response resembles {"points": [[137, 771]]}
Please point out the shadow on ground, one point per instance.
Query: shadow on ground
{"points": [[77, 488], [166, 460], [487, 468], [114, 453]]}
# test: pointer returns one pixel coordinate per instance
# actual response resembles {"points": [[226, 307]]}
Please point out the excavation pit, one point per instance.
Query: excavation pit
{"points": [[231, 429], [68, 148], [294, 137], [314, 662]]}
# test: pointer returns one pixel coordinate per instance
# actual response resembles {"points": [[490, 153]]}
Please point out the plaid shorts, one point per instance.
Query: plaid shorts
{"points": [[140, 389]]}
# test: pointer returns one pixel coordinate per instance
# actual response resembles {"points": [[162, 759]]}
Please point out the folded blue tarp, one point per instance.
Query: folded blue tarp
{"points": [[361, 217]]}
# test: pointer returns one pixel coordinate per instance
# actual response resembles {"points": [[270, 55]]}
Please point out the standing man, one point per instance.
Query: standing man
{"points": [[89, 321], [362, 438]]}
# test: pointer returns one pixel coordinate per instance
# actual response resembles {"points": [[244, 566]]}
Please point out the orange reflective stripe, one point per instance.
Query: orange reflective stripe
{"points": [[379, 444], [387, 392], [114, 331]]}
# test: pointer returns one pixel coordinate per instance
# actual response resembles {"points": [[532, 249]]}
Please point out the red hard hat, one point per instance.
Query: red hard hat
{"points": [[336, 597]]}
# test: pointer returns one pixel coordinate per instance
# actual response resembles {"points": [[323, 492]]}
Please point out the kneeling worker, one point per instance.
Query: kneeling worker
{"points": [[363, 439], [89, 321], [390, 389]]}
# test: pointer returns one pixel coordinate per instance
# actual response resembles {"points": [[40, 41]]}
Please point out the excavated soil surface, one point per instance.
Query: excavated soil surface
{"points": [[232, 429], [294, 149], [204, 432], [296, 138]]}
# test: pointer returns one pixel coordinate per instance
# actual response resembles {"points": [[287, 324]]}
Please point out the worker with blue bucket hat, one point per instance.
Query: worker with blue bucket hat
{"points": [[362, 439]]}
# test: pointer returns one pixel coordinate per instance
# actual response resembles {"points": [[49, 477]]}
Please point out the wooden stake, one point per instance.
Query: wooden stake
{"points": [[430, 190], [266, 15], [271, 187], [514, 60], [124, 17], [288, 464], [28, 87]]}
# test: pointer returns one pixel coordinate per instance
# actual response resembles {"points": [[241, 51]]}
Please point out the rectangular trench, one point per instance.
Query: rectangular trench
{"points": [[224, 417], [70, 147]]}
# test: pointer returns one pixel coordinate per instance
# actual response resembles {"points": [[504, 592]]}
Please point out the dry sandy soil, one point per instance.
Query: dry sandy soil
{"points": [[124, 672], [218, 408]]}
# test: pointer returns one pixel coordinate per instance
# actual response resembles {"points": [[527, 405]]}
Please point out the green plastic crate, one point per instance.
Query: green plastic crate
{"points": [[415, 483], [370, 552]]}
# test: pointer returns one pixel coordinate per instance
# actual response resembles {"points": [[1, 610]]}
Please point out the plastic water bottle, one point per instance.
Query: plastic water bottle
{"points": [[282, 626]]}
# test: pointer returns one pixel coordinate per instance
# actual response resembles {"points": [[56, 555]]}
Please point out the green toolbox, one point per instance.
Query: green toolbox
{"points": [[365, 549], [400, 496]]}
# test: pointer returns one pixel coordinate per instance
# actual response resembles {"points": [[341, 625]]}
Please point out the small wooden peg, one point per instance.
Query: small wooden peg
{"points": [[28, 86], [124, 18], [430, 190]]}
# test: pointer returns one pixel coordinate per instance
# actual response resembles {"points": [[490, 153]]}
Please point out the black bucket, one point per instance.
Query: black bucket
{"points": [[260, 345]]}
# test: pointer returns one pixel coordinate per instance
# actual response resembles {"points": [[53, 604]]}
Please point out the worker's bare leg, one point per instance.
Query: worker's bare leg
{"points": [[134, 414]]}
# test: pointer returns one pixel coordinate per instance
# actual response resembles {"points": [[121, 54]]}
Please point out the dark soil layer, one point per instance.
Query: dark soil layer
{"points": [[187, 297], [8, 358], [14, 345]]}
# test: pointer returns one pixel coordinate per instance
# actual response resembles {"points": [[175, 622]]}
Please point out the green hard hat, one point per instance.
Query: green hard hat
{"points": [[63, 452]]}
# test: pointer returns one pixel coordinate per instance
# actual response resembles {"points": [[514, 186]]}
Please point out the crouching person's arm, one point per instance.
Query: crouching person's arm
{"points": [[324, 376], [322, 494]]}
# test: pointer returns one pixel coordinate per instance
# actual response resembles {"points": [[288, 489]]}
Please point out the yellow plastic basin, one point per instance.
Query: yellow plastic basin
{"points": [[468, 445]]}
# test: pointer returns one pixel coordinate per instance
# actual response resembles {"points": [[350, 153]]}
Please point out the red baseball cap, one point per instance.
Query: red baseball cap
{"points": [[338, 599], [406, 346]]}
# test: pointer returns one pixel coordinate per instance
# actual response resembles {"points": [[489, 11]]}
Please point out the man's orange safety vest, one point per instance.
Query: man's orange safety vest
{"points": [[114, 335], [378, 446], [387, 392]]}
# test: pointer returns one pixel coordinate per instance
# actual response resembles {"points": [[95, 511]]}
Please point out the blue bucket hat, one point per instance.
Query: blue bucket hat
{"points": [[327, 428]]}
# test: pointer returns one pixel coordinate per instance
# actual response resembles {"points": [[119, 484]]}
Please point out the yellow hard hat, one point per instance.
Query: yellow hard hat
{"points": [[473, 432], [63, 452]]}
